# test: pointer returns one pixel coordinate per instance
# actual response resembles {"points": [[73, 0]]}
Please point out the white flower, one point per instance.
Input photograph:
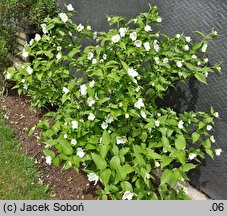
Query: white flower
{"points": [[95, 35], [214, 32], [180, 124], [218, 152], [29, 70], [198, 63], [104, 56], [70, 7], [156, 46], [148, 28], [94, 61], [8, 75], [126, 115], [104, 125], [204, 48], [25, 87], [65, 90], [59, 48], [178, 35], [90, 101], [186, 47], [116, 38], [89, 28], [73, 142], [179, 64], [165, 60], [109, 19], [80, 153], [44, 28], [139, 104], [92, 84], [133, 36], [132, 72], [109, 119], [91, 117], [156, 59], [188, 39], [147, 46], [65, 136], [143, 114], [121, 140], [206, 60], [218, 68], [216, 114], [157, 123], [31, 42], [122, 31], [128, 195], [24, 53], [48, 160], [83, 89], [74, 124], [185, 190], [194, 56], [58, 56], [206, 74], [191, 156], [157, 164], [90, 56], [63, 17], [159, 19], [212, 139], [37, 37], [209, 127], [80, 27], [93, 177], [138, 43], [138, 89], [158, 114]]}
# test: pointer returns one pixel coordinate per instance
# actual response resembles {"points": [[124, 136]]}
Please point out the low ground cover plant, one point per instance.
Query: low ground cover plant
{"points": [[106, 121]]}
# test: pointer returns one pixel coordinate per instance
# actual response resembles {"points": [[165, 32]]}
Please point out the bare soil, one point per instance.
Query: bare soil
{"points": [[64, 185]]}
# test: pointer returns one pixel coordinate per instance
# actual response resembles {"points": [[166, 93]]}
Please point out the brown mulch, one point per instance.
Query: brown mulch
{"points": [[63, 184]]}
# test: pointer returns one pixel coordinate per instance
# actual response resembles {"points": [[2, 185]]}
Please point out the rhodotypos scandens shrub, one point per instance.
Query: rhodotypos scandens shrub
{"points": [[107, 122]]}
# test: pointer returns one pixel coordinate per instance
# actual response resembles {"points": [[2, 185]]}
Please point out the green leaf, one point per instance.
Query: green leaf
{"points": [[181, 156], [166, 177], [210, 153], [195, 137], [139, 160], [66, 147], [180, 142], [103, 149], [125, 66], [126, 186], [127, 169], [165, 142], [187, 167], [200, 34], [201, 77], [144, 136], [99, 161], [150, 125], [165, 161], [176, 176], [105, 176], [39, 75], [115, 162], [105, 138]]}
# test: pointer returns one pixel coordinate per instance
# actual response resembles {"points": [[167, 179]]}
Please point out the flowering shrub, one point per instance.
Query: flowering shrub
{"points": [[107, 122]]}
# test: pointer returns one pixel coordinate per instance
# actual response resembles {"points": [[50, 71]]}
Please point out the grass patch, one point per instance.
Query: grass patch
{"points": [[18, 176]]}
